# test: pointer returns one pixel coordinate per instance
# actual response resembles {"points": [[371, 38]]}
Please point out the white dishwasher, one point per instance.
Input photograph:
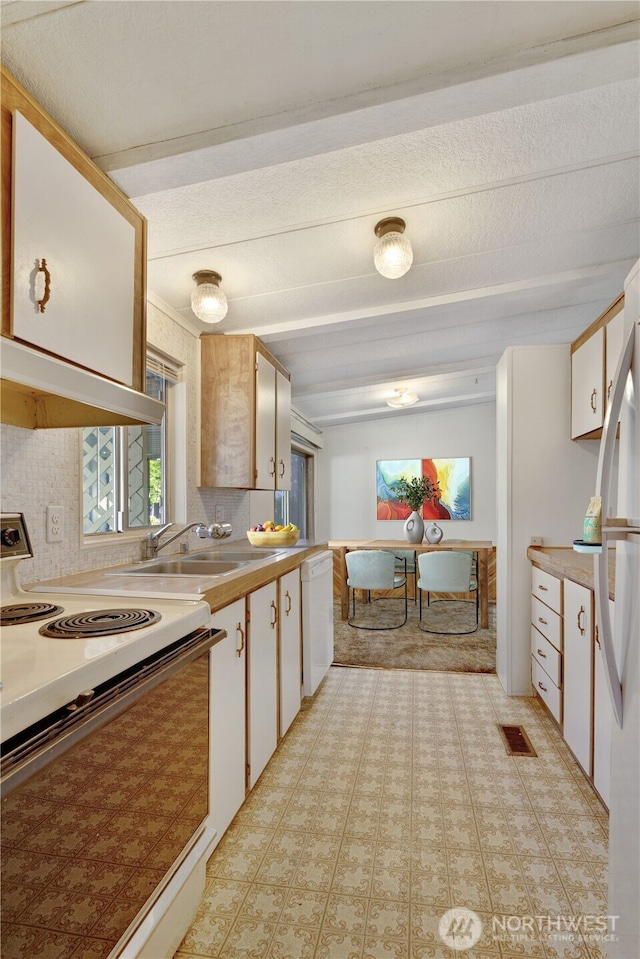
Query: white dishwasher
{"points": [[316, 574]]}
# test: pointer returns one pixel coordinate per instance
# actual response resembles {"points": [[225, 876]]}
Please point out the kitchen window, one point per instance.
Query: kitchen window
{"points": [[125, 468]]}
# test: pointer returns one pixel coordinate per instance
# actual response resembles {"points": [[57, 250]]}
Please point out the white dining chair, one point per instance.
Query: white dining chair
{"points": [[447, 571], [370, 570]]}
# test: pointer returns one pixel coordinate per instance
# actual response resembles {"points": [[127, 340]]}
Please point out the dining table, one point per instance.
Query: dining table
{"points": [[482, 548]]}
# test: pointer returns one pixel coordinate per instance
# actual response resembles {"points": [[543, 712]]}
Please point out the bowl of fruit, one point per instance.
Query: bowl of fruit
{"points": [[270, 534]]}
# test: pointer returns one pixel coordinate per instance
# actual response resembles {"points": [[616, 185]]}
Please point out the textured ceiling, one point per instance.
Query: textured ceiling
{"points": [[264, 140]]}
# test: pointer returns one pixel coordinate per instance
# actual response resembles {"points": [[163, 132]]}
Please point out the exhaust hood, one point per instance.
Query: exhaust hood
{"points": [[42, 392]]}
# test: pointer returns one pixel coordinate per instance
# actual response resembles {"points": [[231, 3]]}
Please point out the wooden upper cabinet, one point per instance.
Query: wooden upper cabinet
{"points": [[245, 438], [594, 356], [73, 247]]}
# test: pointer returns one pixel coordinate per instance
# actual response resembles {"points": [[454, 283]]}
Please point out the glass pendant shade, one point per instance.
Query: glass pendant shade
{"points": [[208, 301], [392, 254]]}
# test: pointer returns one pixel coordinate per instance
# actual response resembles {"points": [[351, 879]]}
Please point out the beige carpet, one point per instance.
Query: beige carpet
{"points": [[410, 648]]}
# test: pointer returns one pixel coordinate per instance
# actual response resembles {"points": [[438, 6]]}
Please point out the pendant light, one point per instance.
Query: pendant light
{"points": [[392, 254], [208, 301]]}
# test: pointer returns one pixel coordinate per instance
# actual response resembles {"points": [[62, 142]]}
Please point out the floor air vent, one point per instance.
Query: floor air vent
{"points": [[516, 741]]}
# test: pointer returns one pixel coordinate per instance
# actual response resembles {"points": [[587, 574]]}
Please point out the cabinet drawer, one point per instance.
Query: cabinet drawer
{"points": [[547, 690], [547, 655], [547, 622], [546, 587]]}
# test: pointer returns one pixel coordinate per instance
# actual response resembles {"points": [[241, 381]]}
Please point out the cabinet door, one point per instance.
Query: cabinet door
{"points": [[290, 649], [265, 424], [613, 334], [283, 431], [587, 365], [602, 724], [262, 679], [89, 249], [578, 671], [227, 718]]}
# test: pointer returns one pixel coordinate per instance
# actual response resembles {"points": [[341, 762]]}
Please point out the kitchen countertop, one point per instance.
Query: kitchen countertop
{"points": [[218, 591], [565, 562]]}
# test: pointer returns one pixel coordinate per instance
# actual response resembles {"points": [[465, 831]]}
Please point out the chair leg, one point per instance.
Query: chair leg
{"points": [[449, 632], [379, 628]]}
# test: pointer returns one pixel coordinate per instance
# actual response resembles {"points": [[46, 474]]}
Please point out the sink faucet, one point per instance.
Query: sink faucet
{"points": [[152, 544]]}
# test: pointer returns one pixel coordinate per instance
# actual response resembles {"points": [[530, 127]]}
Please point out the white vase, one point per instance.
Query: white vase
{"points": [[414, 528], [433, 534]]}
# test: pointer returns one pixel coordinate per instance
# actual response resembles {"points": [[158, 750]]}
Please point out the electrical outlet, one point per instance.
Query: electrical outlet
{"points": [[219, 514], [55, 524], [536, 541]]}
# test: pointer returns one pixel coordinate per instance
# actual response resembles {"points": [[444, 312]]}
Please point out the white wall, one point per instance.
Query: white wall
{"points": [[544, 483], [346, 489]]}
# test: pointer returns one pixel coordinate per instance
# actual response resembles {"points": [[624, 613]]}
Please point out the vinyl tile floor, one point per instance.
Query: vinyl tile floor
{"points": [[391, 822]]}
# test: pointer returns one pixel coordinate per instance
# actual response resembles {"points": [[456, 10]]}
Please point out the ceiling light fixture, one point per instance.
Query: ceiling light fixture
{"points": [[401, 398], [208, 301], [392, 253]]}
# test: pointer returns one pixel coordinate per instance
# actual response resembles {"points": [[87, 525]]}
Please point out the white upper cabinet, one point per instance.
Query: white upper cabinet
{"points": [[587, 408], [73, 261], [74, 269], [594, 356]]}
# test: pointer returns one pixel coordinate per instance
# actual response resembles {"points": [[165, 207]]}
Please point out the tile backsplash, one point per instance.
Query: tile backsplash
{"points": [[41, 468]]}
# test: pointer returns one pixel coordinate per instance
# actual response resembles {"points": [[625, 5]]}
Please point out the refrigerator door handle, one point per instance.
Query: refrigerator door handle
{"points": [[612, 528]]}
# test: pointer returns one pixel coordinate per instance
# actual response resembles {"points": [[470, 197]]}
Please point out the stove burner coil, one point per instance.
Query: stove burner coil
{"points": [[27, 613], [99, 622]]}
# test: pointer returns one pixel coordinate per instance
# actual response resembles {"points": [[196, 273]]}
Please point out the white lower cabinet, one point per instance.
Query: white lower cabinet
{"points": [[227, 779], [602, 724], [262, 679], [289, 648], [578, 671]]}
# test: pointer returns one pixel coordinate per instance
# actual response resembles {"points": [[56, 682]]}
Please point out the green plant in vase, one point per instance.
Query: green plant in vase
{"points": [[413, 492]]}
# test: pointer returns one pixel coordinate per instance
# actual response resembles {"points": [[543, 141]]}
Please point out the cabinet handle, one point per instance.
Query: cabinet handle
{"points": [[239, 649], [580, 620], [594, 408], [283, 468], [47, 285], [289, 603], [596, 636], [275, 615], [609, 390], [543, 621], [272, 471], [540, 653], [543, 688], [545, 589]]}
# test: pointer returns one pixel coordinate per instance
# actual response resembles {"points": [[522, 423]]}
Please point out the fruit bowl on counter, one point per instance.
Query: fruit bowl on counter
{"points": [[268, 534]]}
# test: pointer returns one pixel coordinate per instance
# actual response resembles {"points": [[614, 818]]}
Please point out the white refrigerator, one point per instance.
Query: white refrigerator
{"points": [[620, 647]]}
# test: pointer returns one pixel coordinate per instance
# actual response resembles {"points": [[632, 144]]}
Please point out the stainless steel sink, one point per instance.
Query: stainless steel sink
{"points": [[179, 567], [230, 556]]}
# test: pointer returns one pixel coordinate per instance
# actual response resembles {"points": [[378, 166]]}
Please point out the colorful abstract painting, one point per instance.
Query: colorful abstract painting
{"points": [[453, 477]]}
